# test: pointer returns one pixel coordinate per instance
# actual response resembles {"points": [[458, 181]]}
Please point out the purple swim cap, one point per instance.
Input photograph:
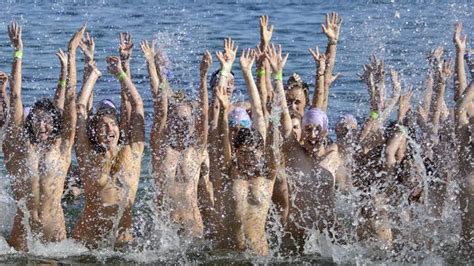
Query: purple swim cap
{"points": [[239, 117], [316, 116], [105, 104]]}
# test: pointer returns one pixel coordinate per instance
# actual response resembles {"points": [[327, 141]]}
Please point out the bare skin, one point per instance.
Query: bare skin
{"points": [[39, 192], [250, 187], [464, 122], [110, 174], [4, 100], [178, 148]]}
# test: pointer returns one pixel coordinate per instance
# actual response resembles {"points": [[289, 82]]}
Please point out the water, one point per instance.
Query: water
{"points": [[400, 31]]}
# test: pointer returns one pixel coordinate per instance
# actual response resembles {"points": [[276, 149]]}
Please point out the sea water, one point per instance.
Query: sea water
{"points": [[402, 32]]}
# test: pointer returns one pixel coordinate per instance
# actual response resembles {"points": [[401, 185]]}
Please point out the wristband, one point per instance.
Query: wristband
{"points": [[223, 73], [403, 130], [121, 76], [278, 76], [374, 115], [18, 54], [261, 73], [332, 42], [62, 83]]}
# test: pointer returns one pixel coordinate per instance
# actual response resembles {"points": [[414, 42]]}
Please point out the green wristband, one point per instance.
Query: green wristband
{"points": [[278, 76], [332, 42], [62, 83], [121, 76], [223, 73], [18, 54], [261, 73], [374, 115]]}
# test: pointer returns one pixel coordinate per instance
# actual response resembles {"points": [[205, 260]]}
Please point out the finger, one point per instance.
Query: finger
{"points": [[271, 28], [327, 19], [285, 58]]}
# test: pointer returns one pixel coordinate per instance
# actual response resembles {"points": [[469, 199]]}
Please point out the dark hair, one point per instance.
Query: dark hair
{"points": [[293, 82], [248, 137], [93, 122], [48, 106], [215, 77]]}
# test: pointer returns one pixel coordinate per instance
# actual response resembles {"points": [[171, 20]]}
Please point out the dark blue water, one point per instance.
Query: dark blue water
{"points": [[400, 31]]}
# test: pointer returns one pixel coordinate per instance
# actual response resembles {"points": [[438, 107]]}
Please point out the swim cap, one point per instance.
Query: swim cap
{"points": [[26, 112], [316, 116], [239, 117], [105, 104]]}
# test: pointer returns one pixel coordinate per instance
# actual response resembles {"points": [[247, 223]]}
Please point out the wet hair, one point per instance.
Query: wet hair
{"points": [[247, 137], [94, 120], [48, 106], [215, 78], [295, 82]]}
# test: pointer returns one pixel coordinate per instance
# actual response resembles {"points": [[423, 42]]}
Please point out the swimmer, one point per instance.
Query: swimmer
{"points": [[38, 150], [178, 144], [109, 151]]}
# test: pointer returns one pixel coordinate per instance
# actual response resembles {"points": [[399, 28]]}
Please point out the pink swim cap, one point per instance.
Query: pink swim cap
{"points": [[316, 116]]}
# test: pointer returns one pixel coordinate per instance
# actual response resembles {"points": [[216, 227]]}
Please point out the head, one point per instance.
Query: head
{"points": [[315, 129], [346, 128], [296, 94], [103, 127], [296, 125], [248, 147], [238, 118], [43, 122], [181, 126], [230, 86]]}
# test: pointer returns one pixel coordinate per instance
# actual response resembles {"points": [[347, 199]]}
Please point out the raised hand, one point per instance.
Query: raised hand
{"points": [[277, 62], [265, 31], [221, 94], [446, 71], [332, 27], [76, 38], [227, 58], [319, 58], [3, 79], [62, 58], [397, 88], [405, 104], [148, 51], [114, 65], [459, 39], [14, 32], [125, 46], [87, 46], [435, 58], [246, 59], [206, 62]]}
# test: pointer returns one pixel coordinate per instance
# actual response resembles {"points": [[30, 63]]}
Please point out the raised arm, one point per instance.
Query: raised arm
{"points": [[319, 91], [16, 105], [59, 96], [203, 121], [391, 102], [439, 92], [398, 139], [70, 112], [125, 51], [136, 124], [261, 82], [462, 103], [277, 63], [460, 82], [266, 33], [246, 62], [160, 97], [224, 123], [331, 30], [82, 112], [424, 108], [87, 46]]}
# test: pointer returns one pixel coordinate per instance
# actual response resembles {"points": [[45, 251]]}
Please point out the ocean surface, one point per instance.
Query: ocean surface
{"points": [[402, 32]]}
